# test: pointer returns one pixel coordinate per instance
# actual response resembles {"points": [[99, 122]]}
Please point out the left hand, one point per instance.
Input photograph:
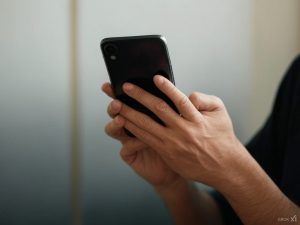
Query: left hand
{"points": [[199, 144], [141, 158]]}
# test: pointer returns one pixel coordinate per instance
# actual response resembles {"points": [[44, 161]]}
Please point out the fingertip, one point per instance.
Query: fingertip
{"points": [[159, 79], [194, 96], [105, 86], [116, 105], [127, 87]]}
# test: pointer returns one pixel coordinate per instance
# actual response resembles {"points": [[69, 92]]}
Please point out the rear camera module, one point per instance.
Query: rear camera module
{"points": [[111, 49]]}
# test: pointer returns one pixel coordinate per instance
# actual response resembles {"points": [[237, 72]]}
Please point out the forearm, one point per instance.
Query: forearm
{"points": [[256, 198], [188, 206]]}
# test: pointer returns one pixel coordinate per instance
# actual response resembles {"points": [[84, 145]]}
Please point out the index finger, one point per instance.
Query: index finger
{"points": [[159, 107], [181, 101]]}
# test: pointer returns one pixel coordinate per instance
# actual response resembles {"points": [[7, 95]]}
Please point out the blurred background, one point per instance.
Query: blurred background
{"points": [[56, 164]]}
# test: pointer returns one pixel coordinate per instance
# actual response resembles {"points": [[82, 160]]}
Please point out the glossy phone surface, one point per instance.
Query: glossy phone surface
{"points": [[137, 59]]}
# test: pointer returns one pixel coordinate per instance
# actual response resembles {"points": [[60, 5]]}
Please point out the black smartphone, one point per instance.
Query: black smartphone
{"points": [[137, 59]]}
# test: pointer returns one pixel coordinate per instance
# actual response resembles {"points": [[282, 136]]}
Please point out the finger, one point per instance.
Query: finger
{"points": [[204, 102], [115, 129], [155, 104], [107, 89], [129, 150], [143, 135], [133, 145], [181, 101], [143, 121], [114, 108]]}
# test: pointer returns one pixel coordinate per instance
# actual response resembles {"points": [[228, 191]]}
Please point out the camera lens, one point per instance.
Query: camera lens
{"points": [[111, 49]]}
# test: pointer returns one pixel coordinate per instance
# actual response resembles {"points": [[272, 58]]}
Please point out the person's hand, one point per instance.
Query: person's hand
{"points": [[199, 144], [141, 158]]}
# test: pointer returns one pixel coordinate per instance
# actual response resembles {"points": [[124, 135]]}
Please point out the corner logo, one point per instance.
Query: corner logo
{"points": [[292, 219]]}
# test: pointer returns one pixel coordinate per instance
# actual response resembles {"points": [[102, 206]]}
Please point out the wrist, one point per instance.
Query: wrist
{"points": [[177, 187], [253, 194], [227, 168], [242, 175]]}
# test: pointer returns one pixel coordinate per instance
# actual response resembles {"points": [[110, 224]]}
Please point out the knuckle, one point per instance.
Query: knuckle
{"points": [[109, 110], [162, 106], [113, 131], [146, 121], [126, 154], [123, 152], [124, 147], [112, 111], [218, 101], [107, 129], [125, 110], [183, 101]]}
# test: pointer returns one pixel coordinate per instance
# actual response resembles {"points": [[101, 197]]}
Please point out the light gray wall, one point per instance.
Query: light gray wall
{"points": [[276, 42], [34, 101], [209, 44], [215, 47]]}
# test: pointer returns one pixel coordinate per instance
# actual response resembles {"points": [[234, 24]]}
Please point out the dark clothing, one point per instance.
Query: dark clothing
{"points": [[276, 147]]}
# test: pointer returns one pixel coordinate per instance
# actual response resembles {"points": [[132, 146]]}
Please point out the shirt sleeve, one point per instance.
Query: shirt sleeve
{"points": [[276, 147]]}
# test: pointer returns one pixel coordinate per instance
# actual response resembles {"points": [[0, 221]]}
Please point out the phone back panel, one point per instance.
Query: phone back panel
{"points": [[137, 60]]}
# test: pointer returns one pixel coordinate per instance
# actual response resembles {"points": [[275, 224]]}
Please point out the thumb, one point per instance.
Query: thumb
{"points": [[130, 149], [204, 102]]}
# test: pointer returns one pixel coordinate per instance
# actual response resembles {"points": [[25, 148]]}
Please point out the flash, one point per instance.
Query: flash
{"points": [[113, 57]]}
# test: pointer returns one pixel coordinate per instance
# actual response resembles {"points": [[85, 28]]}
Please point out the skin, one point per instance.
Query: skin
{"points": [[143, 159], [186, 204], [198, 144]]}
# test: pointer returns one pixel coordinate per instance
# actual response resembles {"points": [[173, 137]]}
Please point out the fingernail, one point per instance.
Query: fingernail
{"points": [[127, 87], [115, 104], [159, 79]]}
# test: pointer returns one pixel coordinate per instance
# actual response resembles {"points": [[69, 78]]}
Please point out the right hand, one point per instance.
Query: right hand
{"points": [[140, 157]]}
